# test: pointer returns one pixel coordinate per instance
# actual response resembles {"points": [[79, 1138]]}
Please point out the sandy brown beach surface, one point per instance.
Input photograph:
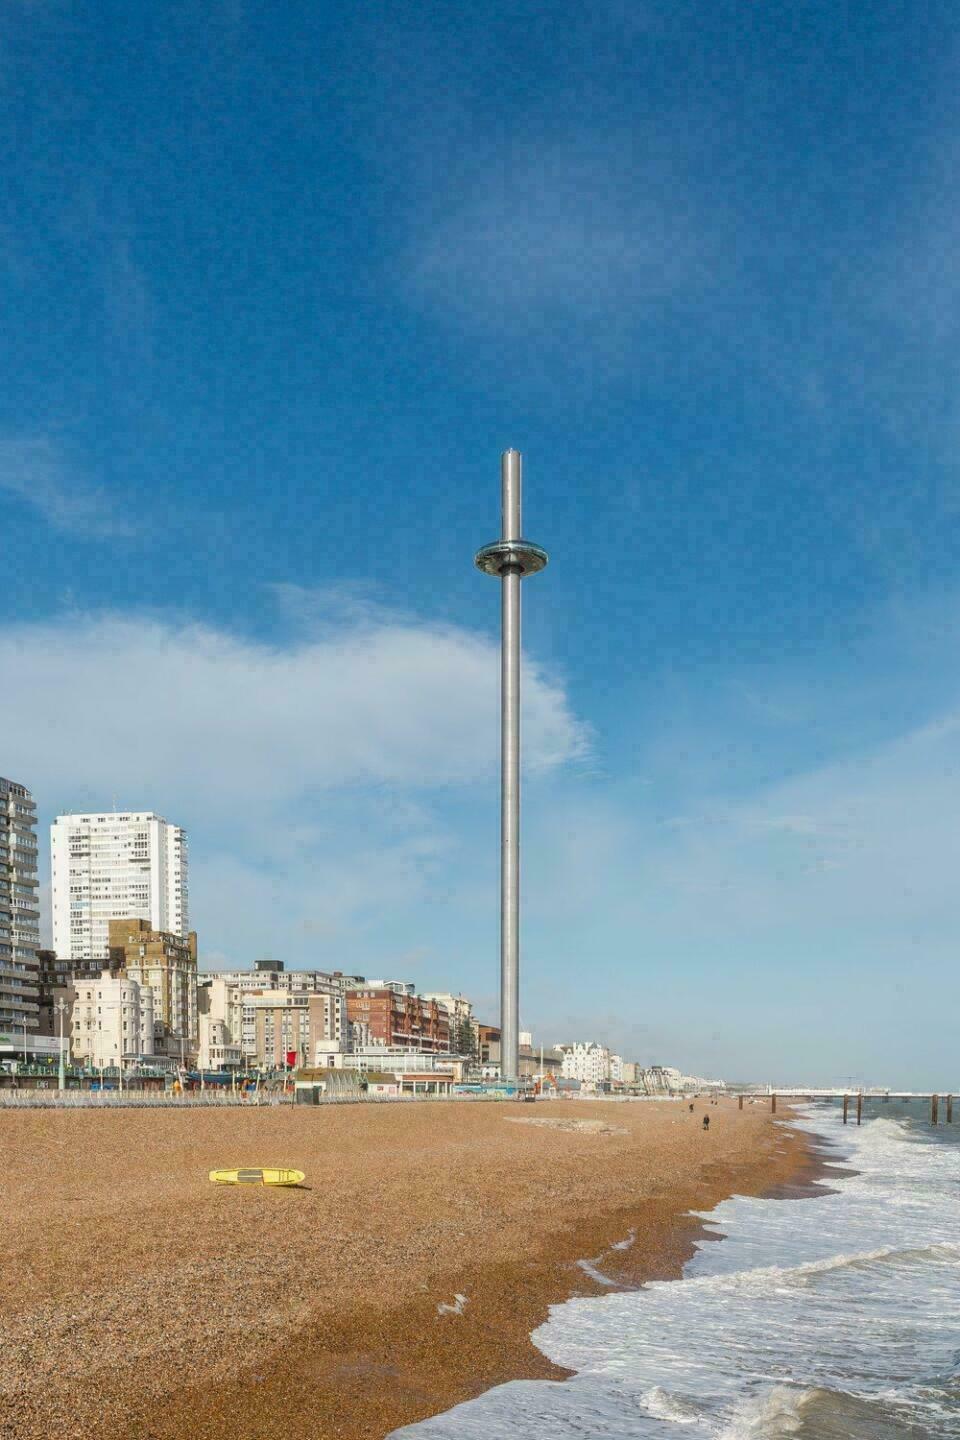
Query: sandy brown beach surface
{"points": [[138, 1300]]}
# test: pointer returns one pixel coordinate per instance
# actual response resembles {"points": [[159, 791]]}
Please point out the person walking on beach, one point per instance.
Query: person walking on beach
{"points": [[706, 1122]]}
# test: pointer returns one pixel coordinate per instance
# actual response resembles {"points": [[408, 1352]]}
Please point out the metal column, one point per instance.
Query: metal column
{"points": [[510, 777], [510, 559]]}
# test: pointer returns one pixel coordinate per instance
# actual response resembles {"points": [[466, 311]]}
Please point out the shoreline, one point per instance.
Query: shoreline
{"points": [[353, 1327]]}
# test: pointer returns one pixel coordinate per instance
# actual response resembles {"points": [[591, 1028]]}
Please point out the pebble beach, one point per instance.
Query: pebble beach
{"points": [[405, 1275]]}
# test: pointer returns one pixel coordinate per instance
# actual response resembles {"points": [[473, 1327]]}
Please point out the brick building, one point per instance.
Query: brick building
{"points": [[386, 1015]]}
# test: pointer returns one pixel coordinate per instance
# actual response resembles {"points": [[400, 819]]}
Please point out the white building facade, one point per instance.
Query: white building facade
{"points": [[217, 1048], [112, 1020], [115, 867], [585, 1061]]}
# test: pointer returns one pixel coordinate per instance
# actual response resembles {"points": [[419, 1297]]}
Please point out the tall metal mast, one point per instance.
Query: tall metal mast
{"points": [[510, 558]]}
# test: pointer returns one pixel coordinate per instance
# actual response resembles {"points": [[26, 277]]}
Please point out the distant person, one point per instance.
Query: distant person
{"points": [[691, 1109], [706, 1122]]}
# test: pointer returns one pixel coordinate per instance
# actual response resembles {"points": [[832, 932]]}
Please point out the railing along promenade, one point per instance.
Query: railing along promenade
{"points": [[188, 1100]]}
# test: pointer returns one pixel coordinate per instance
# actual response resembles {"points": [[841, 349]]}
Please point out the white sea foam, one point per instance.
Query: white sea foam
{"points": [[778, 1412], [661, 1405], [589, 1268], [836, 1316]]}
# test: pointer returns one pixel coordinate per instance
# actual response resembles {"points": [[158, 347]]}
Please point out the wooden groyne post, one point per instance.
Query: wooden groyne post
{"points": [[934, 1109], [949, 1109], [739, 1102], [859, 1106], [846, 1102], [773, 1104]]}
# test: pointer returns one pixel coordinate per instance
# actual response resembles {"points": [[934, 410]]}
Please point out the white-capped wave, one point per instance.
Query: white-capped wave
{"points": [[771, 1416], [661, 1405], [836, 1315]]}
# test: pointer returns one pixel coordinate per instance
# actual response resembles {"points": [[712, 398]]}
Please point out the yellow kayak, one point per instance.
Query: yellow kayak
{"points": [[257, 1177]]}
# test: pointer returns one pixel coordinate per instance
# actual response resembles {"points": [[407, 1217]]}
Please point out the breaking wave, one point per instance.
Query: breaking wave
{"points": [[829, 1318]]}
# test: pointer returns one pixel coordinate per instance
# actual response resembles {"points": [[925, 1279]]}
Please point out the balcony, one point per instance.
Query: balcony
{"points": [[11, 999], [13, 992], [22, 972]]}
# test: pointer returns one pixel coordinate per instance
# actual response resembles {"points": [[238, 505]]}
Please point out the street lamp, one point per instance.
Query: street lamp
{"points": [[62, 1069]]}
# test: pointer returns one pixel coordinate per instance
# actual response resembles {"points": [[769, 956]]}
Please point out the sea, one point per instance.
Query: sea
{"points": [[828, 1317]]}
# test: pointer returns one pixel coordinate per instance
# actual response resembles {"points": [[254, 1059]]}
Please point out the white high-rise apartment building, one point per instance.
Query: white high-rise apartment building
{"points": [[115, 867]]}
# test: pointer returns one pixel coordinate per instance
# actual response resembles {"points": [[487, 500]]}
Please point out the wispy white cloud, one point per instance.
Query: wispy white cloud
{"points": [[798, 931], [212, 717], [595, 227], [312, 773], [35, 472], [860, 852], [320, 609]]}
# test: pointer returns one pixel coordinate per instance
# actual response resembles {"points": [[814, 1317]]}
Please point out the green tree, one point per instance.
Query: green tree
{"points": [[466, 1039]]}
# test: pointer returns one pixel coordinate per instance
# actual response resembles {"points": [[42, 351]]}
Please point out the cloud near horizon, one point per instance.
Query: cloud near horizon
{"points": [[310, 774], [863, 849], [186, 717], [313, 775]]}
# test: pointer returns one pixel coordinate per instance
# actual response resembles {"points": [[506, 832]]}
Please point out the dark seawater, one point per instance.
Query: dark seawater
{"points": [[827, 1318]]}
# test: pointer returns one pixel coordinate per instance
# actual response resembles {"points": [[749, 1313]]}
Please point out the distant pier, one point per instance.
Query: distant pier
{"points": [[858, 1096]]}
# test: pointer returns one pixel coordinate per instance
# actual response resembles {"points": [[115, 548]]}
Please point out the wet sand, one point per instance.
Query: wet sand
{"points": [[139, 1300]]}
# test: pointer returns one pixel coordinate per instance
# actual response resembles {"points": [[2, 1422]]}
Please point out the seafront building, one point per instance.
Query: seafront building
{"points": [[216, 1049], [389, 1013], [463, 1039], [587, 1062], [130, 866], [383, 1073], [56, 979], [299, 1029], [276, 1017], [112, 1020], [668, 1080], [168, 964], [595, 1067], [19, 920], [235, 996], [273, 975], [534, 1062]]}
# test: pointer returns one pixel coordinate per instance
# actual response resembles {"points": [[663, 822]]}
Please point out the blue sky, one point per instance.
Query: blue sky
{"points": [[278, 286]]}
